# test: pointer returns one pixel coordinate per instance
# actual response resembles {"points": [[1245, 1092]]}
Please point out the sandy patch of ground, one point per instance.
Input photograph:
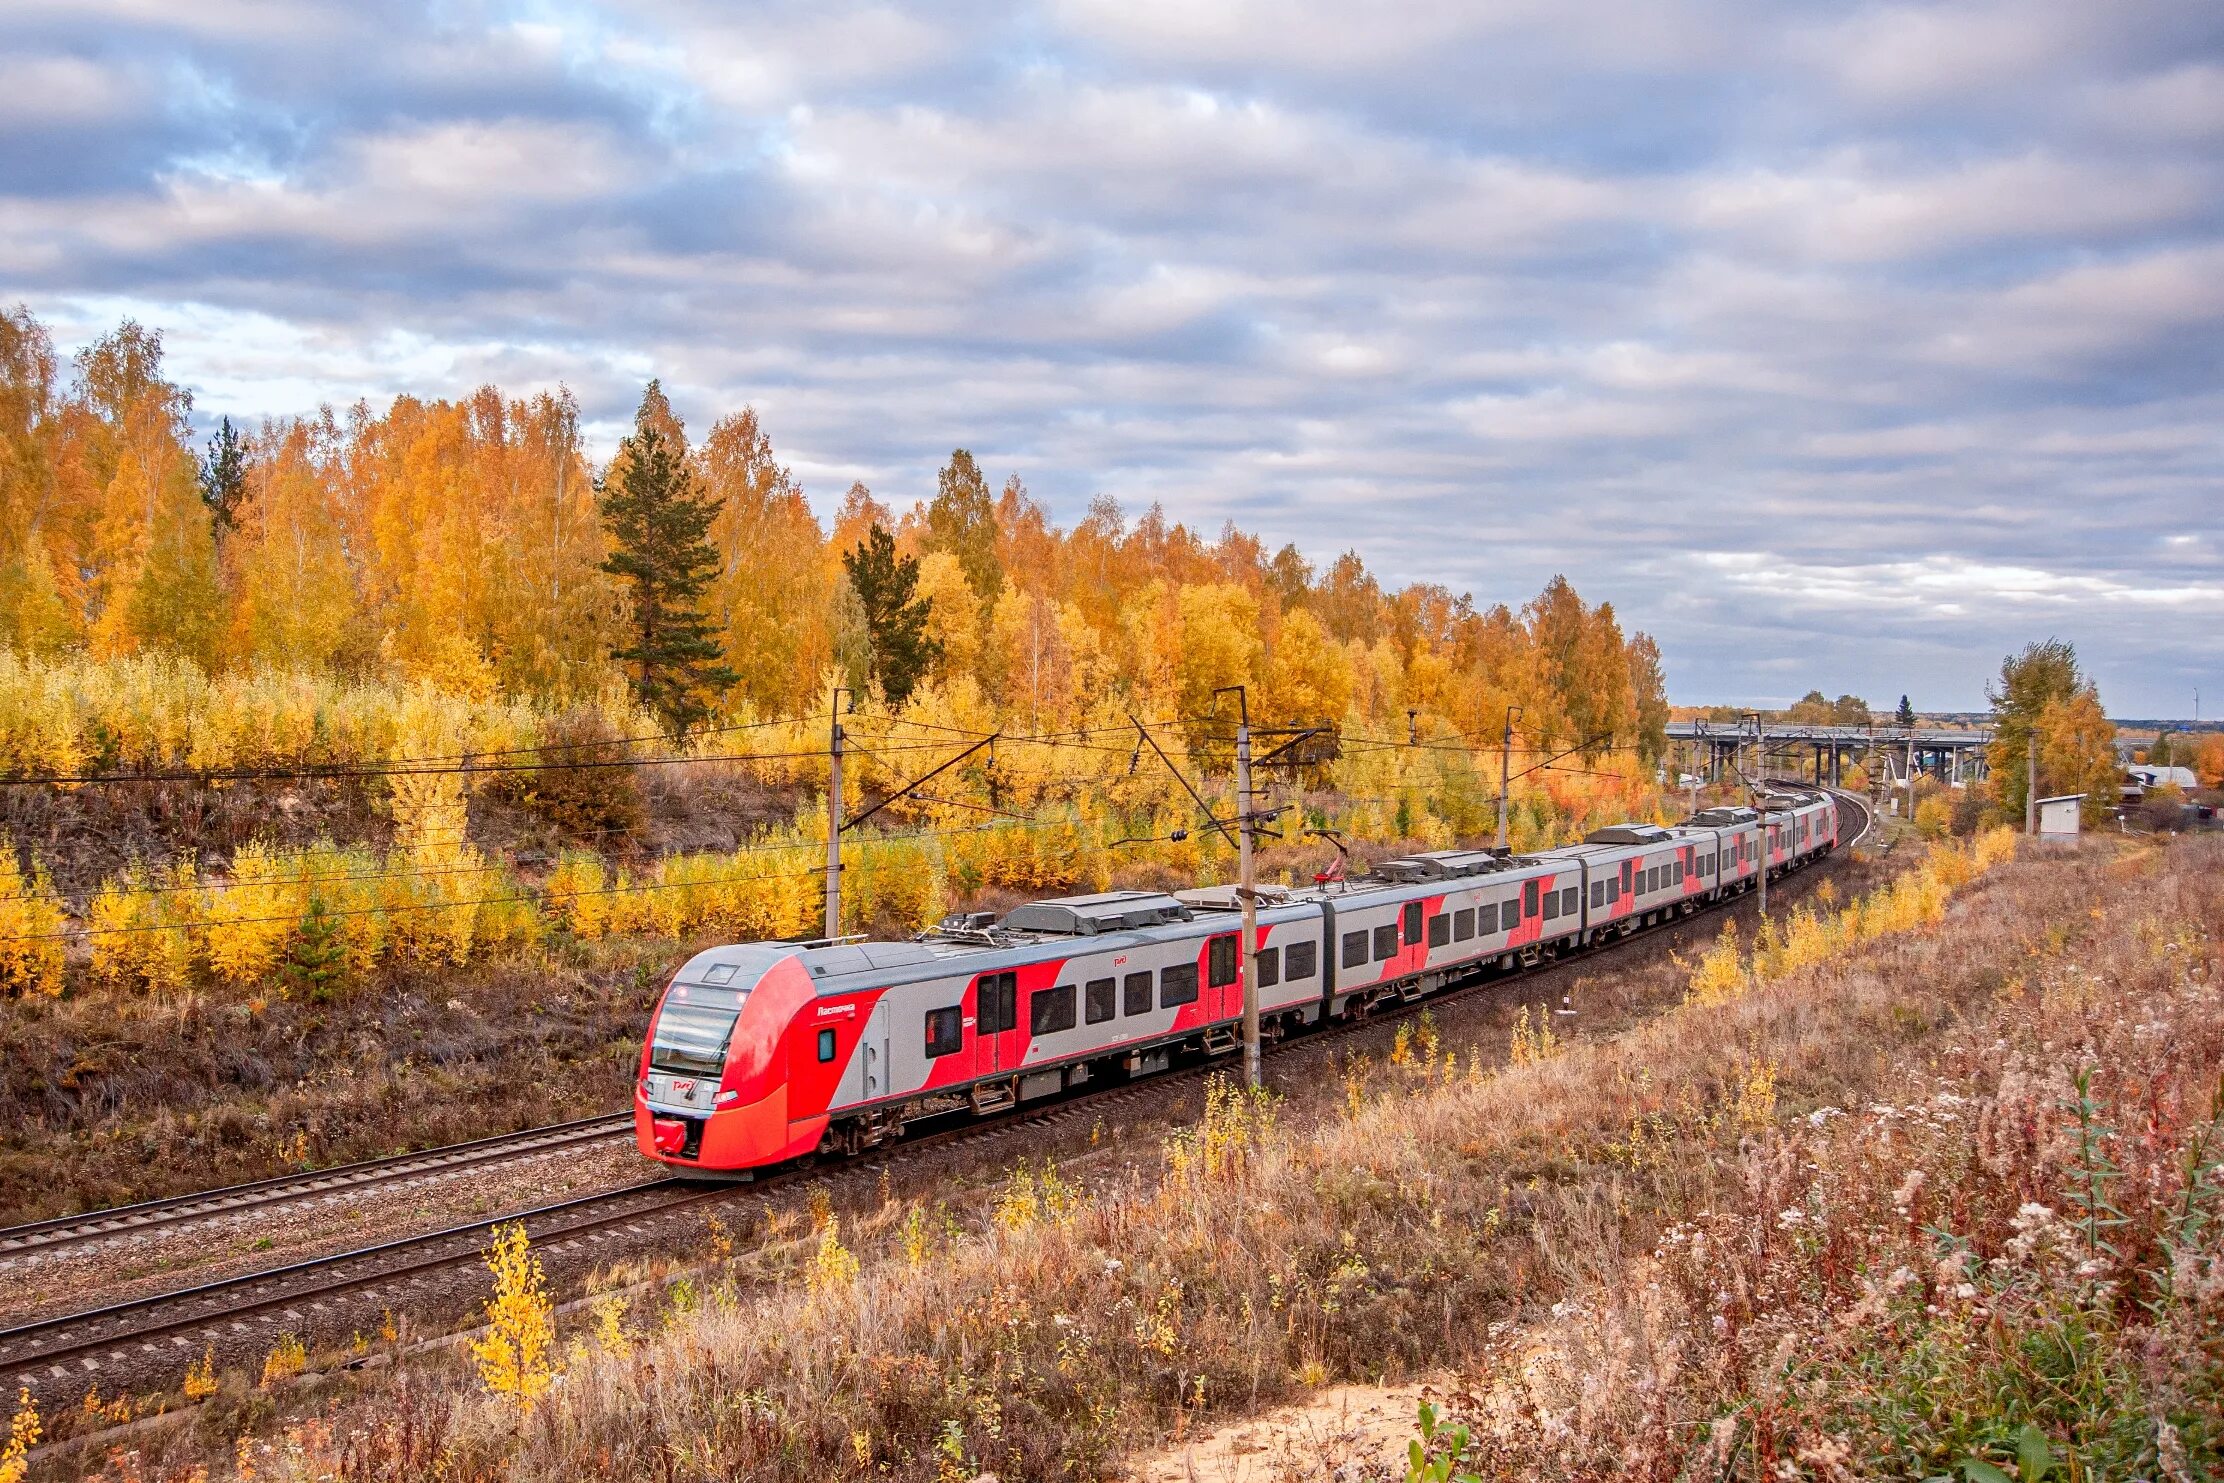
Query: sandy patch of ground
{"points": [[1348, 1431]]}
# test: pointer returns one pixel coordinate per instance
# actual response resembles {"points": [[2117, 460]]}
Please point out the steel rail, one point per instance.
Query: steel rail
{"points": [[229, 1299], [145, 1216]]}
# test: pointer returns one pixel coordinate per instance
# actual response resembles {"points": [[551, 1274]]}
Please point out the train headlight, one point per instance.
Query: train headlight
{"points": [[726, 1097]]}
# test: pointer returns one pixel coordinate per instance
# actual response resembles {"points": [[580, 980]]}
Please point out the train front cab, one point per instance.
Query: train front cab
{"points": [[712, 1089]]}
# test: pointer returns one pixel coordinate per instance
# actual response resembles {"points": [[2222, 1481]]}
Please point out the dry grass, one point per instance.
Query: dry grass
{"points": [[2009, 1264]]}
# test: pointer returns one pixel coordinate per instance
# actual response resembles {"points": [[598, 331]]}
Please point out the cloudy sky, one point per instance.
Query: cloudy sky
{"points": [[1838, 345]]}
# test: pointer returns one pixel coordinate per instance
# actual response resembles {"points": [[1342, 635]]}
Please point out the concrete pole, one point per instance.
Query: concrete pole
{"points": [[1505, 770], [1249, 893], [1767, 848], [834, 822], [2031, 782]]}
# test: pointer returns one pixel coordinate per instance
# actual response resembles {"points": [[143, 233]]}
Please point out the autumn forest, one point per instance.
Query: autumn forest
{"points": [[421, 591]]}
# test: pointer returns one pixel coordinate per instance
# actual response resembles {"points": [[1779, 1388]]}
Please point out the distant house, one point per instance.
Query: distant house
{"points": [[2156, 775], [2058, 816]]}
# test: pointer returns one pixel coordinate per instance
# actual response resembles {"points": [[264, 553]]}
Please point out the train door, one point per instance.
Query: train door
{"points": [[865, 1071], [872, 1054], [995, 1014], [1223, 986]]}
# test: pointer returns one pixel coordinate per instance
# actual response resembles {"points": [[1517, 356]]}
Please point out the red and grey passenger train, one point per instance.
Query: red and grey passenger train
{"points": [[763, 1052]]}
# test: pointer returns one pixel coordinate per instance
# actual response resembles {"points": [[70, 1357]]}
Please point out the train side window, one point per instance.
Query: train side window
{"points": [[1463, 924], [1613, 890], [1412, 922], [1509, 914], [945, 1031], [1267, 964], [1297, 961], [1177, 985], [1220, 960], [1679, 872], [1529, 891], [1570, 899], [1629, 873], [1386, 941], [1598, 894], [1355, 949], [1551, 905], [1135, 994], [1050, 1010], [1096, 1000], [1440, 930], [826, 1044]]}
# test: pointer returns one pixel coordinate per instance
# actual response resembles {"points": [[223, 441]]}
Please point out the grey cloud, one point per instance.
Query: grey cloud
{"points": [[1843, 349]]}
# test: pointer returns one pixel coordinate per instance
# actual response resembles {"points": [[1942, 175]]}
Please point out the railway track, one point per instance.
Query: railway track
{"points": [[173, 1327], [235, 1314], [39, 1238]]}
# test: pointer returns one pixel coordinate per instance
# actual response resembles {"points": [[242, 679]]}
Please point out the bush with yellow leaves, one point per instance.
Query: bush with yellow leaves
{"points": [[516, 1354], [32, 921], [23, 1435]]}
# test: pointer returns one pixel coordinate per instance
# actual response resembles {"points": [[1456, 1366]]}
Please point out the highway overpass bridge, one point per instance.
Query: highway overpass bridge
{"points": [[1718, 749]]}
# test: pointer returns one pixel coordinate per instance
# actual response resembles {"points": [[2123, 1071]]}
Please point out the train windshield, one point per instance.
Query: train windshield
{"points": [[692, 1029]]}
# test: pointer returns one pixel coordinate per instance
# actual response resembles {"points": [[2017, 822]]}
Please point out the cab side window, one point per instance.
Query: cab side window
{"points": [[945, 1031]]}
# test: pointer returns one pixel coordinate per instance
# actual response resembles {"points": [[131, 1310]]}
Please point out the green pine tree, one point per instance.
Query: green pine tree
{"points": [[319, 959], [659, 520], [1906, 716], [224, 476], [895, 619]]}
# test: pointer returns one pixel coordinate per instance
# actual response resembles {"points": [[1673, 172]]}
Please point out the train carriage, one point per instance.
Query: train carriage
{"points": [[759, 1053]]}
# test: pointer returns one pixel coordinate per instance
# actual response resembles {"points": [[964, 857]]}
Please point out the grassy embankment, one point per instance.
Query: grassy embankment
{"points": [[1848, 1209]]}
